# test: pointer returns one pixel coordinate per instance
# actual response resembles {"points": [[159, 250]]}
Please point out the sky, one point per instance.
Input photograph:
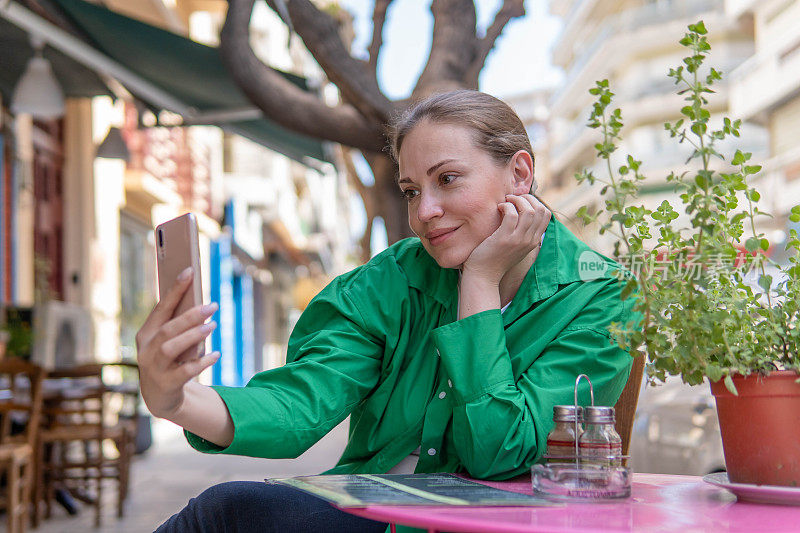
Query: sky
{"points": [[520, 60]]}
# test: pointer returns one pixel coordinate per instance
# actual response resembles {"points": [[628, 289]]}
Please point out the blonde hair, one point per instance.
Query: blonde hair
{"points": [[497, 128]]}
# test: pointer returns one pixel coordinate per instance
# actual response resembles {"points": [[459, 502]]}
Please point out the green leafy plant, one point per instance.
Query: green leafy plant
{"points": [[709, 309], [17, 325]]}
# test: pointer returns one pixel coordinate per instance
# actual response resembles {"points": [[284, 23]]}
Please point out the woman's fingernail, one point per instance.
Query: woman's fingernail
{"points": [[210, 308], [186, 274]]}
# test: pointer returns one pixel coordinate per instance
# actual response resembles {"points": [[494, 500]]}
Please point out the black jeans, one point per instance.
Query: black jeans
{"points": [[244, 506]]}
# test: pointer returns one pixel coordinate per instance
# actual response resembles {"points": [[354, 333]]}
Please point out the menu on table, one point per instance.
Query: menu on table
{"points": [[362, 490]]}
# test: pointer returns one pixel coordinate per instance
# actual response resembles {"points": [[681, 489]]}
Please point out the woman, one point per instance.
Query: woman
{"points": [[448, 351]]}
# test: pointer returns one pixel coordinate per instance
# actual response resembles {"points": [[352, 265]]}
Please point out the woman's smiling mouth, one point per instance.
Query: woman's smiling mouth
{"points": [[438, 236]]}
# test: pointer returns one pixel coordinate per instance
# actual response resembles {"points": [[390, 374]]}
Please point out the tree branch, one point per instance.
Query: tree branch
{"points": [[378, 20], [452, 48], [355, 180], [510, 9], [386, 195], [282, 101], [320, 34], [366, 194]]}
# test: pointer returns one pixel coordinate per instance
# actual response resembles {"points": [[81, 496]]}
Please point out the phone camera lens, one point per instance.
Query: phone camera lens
{"points": [[160, 238]]}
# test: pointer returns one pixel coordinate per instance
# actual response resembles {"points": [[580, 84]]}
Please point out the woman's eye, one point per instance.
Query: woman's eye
{"points": [[447, 179], [409, 194]]}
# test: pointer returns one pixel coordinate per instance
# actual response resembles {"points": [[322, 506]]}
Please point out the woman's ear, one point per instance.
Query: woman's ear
{"points": [[521, 166]]}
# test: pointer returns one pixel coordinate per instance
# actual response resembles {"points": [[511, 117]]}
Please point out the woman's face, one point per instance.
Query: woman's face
{"points": [[453, 188]]}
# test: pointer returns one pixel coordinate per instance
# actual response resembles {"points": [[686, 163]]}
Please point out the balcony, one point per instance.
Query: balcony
{"points": [[650, 103], [560, 8], [764, 82], [737, 8], [621, 35], [779, 182], [575, 16], [659, 154]]}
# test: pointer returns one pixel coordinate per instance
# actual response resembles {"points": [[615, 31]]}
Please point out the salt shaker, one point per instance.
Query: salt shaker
{"points": [[561, 440], [600, 444]]}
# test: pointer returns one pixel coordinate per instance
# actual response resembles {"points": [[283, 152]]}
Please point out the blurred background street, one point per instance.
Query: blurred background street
{"points": [[164, 478], [117, 115]]}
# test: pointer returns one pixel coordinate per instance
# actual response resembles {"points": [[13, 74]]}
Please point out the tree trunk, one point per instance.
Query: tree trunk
{"points": [[456, 58], [390, 204]]}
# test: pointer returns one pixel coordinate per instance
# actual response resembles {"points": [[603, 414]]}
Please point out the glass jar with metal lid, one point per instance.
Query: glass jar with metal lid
{"points": [[561, 440], [599, 444]]}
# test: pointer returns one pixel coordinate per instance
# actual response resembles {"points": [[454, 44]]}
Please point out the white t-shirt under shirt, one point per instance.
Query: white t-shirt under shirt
{"points": [[408, 464]]}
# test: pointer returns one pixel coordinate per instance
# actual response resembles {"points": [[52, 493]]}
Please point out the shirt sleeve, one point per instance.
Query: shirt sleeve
{"points": [[333, 362], [500, 423]]}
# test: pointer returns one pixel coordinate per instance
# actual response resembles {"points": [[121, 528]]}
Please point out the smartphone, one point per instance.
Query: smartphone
{"points": [[177, 248]]}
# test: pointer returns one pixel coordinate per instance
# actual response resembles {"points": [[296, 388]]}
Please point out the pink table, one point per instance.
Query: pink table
{"points": [[659, 503]]}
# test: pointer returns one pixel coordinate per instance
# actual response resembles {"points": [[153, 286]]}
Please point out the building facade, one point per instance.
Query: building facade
{"points": [[765, 90], [633, 44], [77, 228]]}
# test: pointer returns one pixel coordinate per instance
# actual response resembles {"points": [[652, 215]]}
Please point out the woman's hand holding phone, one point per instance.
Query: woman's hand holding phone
{"points": [[161, 341], [524, 221]]}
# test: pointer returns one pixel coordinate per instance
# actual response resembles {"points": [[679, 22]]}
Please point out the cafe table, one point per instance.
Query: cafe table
{"points": [[659, 502]]}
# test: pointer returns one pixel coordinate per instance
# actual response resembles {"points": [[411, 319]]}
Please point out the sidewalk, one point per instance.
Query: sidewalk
{"points": [[170, 472]]}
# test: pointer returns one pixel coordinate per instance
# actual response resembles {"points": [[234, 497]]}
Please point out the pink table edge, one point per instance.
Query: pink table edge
{"points": [[658, 501]]}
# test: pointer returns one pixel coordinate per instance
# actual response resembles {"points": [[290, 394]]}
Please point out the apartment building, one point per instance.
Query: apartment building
{"points": [[765, 90], [633, 44], [532, 109]]}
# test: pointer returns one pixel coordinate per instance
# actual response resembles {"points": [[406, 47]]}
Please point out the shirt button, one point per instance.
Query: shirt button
{"points": [[431, 451], [437, 353], [449, 383], [442, 395]]}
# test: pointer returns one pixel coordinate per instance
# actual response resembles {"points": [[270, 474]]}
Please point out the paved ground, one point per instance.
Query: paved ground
{"points": [[170, 473]]}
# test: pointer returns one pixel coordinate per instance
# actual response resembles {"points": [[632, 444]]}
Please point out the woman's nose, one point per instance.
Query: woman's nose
{"points": [[430, 207]]}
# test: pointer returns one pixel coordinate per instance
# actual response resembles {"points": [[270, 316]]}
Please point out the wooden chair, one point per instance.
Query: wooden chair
{"points": [[81, 421], [625, 408], [121, 380], [21, 402]]}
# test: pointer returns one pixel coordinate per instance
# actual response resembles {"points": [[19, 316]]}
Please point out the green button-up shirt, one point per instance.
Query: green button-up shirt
{"points": [[383, 345]]}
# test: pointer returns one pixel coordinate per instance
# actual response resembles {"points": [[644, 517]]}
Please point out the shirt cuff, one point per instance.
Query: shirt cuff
{"points": [[239, 401], [202, 445], [474, 354]]}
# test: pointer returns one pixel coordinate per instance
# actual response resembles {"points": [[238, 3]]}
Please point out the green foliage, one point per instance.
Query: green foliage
{"points": [[18, 334], [701, 317]]}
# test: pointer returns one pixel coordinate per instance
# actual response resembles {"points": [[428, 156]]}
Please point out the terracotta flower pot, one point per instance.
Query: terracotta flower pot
{"points": [[761, 428]]}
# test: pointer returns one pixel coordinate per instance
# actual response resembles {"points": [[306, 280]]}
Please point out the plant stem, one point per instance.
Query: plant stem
{"points": [[619, 207], [751, 216]]}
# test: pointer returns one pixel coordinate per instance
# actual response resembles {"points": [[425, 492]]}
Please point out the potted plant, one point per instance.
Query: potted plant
{"points": [[713, 305]]}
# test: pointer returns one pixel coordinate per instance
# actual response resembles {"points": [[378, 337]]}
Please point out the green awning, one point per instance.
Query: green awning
{"points": [[15, 51], [189, 71]]}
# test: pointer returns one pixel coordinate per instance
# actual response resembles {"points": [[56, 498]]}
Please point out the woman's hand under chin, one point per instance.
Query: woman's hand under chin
{"points": [[524, 221]]}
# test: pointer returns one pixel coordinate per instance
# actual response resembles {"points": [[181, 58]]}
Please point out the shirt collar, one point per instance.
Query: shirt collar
{"points": [[556, 264], [425, 275]]}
